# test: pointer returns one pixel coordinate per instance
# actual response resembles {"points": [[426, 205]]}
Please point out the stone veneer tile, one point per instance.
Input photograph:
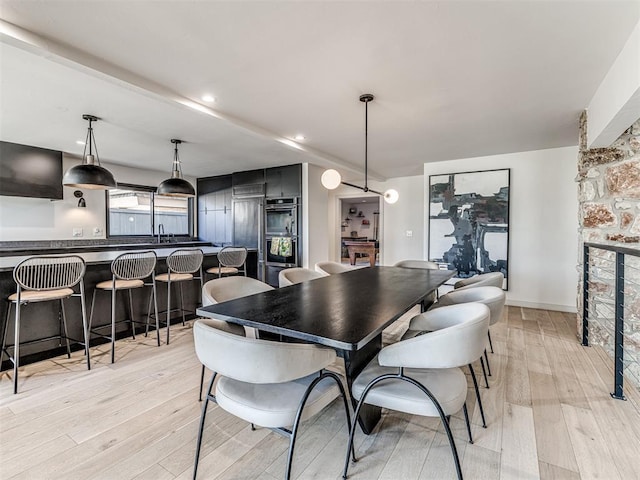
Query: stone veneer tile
{"points": [[625, 219], [598, 215], [599, 156], [624, 179]]}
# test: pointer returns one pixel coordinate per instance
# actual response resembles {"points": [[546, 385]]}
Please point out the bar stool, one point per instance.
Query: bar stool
{"points": [[129, 271], [41, 279], [181, 264], [231, 261]]}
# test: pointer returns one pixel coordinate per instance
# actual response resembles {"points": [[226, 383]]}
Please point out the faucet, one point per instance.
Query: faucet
{"points": [[160, 232]]}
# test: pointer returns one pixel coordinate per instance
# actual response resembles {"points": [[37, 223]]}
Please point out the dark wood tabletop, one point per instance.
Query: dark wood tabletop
{"points": [[344, 311]]}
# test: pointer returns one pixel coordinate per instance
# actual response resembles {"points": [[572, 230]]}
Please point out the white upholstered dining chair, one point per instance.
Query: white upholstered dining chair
{"points": [[270, 384], [331, 268], [422, 265], [491, 279], [421, 375], [291, 276], [492, 297], [225, 289]]}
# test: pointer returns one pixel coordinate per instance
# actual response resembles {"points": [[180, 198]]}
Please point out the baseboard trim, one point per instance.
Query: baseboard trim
{"points": [[542, 306]]}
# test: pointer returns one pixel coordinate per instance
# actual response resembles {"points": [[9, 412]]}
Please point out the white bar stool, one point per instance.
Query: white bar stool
{"points": [[181, 264], [129, 271], [41, 279]]}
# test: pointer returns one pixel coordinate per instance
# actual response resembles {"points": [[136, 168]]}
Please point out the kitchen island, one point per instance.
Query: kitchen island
{"points": [[40, 320]]}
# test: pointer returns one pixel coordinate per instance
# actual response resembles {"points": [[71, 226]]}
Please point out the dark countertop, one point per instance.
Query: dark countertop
{"points": [[6, 251], [96, 256]]}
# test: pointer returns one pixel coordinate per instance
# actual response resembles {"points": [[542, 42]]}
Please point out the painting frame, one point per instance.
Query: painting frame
{"points": [[468, 215]]}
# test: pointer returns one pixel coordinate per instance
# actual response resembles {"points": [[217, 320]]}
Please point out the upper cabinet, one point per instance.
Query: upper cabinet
{"points": [[284, 181], [215, 218], [248, 183]]}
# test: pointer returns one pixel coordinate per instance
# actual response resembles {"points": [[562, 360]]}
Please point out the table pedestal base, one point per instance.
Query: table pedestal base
{"points": [[354, 363]]}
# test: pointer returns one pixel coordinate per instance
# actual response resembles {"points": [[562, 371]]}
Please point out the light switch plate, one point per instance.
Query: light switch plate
{"points": [[409, 233]]}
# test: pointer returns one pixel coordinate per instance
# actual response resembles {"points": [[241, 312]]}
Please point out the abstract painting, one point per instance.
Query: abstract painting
{"points": [[469, 222]]}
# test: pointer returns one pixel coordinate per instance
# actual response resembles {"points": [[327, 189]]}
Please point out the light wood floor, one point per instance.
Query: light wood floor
{"points": [[549, 416]]}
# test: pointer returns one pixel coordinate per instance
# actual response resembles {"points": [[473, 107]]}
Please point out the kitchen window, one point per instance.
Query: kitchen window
{"points": [[135, 210]]}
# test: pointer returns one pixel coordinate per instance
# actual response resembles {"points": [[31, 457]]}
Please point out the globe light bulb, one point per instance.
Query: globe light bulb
{"points": [[331, 179], [391, 196]]}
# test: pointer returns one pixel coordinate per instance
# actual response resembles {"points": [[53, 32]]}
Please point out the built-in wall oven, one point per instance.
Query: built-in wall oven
{"points": [[281, 236], [281, 217]]}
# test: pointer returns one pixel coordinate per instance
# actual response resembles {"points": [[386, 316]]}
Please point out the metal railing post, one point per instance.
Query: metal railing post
{"points": [[585, 297], [619, 327]]}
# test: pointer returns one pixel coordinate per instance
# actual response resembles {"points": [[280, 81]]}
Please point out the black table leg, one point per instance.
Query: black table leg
{"points": [[354, 363]]}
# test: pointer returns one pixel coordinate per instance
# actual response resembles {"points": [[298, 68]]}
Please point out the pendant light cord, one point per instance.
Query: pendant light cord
{"points": [[91, 141], [366, 144]]}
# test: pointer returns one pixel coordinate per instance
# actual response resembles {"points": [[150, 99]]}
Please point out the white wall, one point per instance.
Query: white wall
{"points": [[315, 221], [42, 219], [395, 220], [616, 103], [543, 237]]}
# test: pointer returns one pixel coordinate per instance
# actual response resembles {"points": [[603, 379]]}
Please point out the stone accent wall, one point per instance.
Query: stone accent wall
{"points": [[609, 210]]}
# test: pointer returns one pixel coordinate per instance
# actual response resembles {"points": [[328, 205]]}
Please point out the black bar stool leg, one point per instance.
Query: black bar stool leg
{"points": [[16, 350], [182, 304], [113, 325], [133, 325], [155, 304], [64, 326], [168, 308]]}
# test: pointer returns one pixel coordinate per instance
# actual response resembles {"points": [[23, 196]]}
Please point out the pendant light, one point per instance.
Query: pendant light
{"points": [[89, 174], [176, 186], [331, 178]]}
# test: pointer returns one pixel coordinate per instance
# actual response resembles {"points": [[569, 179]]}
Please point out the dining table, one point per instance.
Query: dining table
{"points": [[346, 312]]}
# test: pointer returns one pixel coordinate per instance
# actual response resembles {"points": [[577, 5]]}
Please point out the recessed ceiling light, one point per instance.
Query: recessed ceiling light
{"points": [[299, 138], [80, 142], [208, 98]]}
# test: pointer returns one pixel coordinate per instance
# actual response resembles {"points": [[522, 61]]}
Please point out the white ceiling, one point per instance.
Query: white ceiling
{"points": [[452, 79]]}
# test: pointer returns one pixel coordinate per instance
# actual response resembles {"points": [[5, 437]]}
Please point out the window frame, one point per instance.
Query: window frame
{"points": [[153, 192]]}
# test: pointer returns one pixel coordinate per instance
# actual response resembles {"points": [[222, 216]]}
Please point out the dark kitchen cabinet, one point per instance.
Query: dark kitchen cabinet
{"points": [[284, 181], [249, 183], [215, 216]]}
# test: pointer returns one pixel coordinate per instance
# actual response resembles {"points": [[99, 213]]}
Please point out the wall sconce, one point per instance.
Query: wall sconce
{"points": [[81, 202]]}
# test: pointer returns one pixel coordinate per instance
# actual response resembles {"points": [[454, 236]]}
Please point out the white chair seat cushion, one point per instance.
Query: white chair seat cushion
{"points": [[274, 405], [448, 385], [223, 270], [175, 277], [41, 295], [120, 284]]}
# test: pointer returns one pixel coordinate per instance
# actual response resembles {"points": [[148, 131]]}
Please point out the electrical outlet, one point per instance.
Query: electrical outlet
{"points": [[97, 231], [77, 232], [409, 233]]}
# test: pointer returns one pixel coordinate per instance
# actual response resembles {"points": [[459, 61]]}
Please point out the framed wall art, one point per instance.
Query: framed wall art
{"points": [[469, 222]]}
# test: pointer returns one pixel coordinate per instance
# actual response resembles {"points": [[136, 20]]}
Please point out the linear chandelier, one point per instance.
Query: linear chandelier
{"points": [[331, 178]]}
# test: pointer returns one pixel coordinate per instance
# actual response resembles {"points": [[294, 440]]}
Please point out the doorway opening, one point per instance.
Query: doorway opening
{"points": [[360, 230]]}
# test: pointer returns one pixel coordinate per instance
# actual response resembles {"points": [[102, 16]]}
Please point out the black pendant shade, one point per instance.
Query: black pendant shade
{"points": [[176, 186], [89, 174]]}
